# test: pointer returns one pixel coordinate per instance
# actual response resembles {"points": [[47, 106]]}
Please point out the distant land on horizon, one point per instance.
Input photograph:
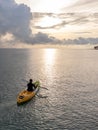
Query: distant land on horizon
{"points": [[96, 47]]}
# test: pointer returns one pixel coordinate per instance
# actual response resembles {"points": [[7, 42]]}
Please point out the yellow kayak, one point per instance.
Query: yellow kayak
{"points": [[25, 95]]}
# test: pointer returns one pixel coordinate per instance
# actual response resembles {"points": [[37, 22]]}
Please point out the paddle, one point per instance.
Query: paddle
{"points": [[40, 86], [41, 96], [44, 88]]}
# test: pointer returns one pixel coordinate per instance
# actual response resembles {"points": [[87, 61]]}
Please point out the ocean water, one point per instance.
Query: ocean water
{"points": [[71, 77]]}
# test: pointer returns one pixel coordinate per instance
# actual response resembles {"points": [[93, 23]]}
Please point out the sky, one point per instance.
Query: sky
{"points": [[55, 22]]}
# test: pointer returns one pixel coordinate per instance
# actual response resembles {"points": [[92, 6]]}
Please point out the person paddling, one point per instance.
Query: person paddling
{"points": [[31, 86]]}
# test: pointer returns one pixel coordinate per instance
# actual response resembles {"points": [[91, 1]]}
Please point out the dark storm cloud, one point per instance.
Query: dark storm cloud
{"points": [[44, 38], [15, 19]]}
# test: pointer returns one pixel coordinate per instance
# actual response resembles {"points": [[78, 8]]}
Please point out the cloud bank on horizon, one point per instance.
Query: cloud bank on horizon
{"points": [[19, 24]]}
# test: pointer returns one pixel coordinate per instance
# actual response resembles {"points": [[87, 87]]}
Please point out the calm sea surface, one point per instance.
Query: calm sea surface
{"points": [[71, 77]]}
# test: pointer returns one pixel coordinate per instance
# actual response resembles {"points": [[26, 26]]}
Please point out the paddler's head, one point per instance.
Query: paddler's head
{"points": [[30, 80]]}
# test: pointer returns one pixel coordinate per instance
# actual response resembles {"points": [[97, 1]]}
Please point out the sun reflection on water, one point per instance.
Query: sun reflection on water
{"points": [[49, 62], [49, 56]]}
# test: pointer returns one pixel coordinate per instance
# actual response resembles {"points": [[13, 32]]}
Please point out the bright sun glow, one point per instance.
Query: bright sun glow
{"points": [[48, 21]]}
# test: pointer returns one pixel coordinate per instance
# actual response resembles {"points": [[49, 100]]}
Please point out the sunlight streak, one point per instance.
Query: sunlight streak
{"points": [[49, 62], [50, 56]]}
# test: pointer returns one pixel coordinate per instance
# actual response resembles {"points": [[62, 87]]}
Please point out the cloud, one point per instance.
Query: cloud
{"points": [[15, 20], [81, 41], [66, 19], [41, 38], [82, 6], [85, 2], [15, 24], [55, 26]]}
